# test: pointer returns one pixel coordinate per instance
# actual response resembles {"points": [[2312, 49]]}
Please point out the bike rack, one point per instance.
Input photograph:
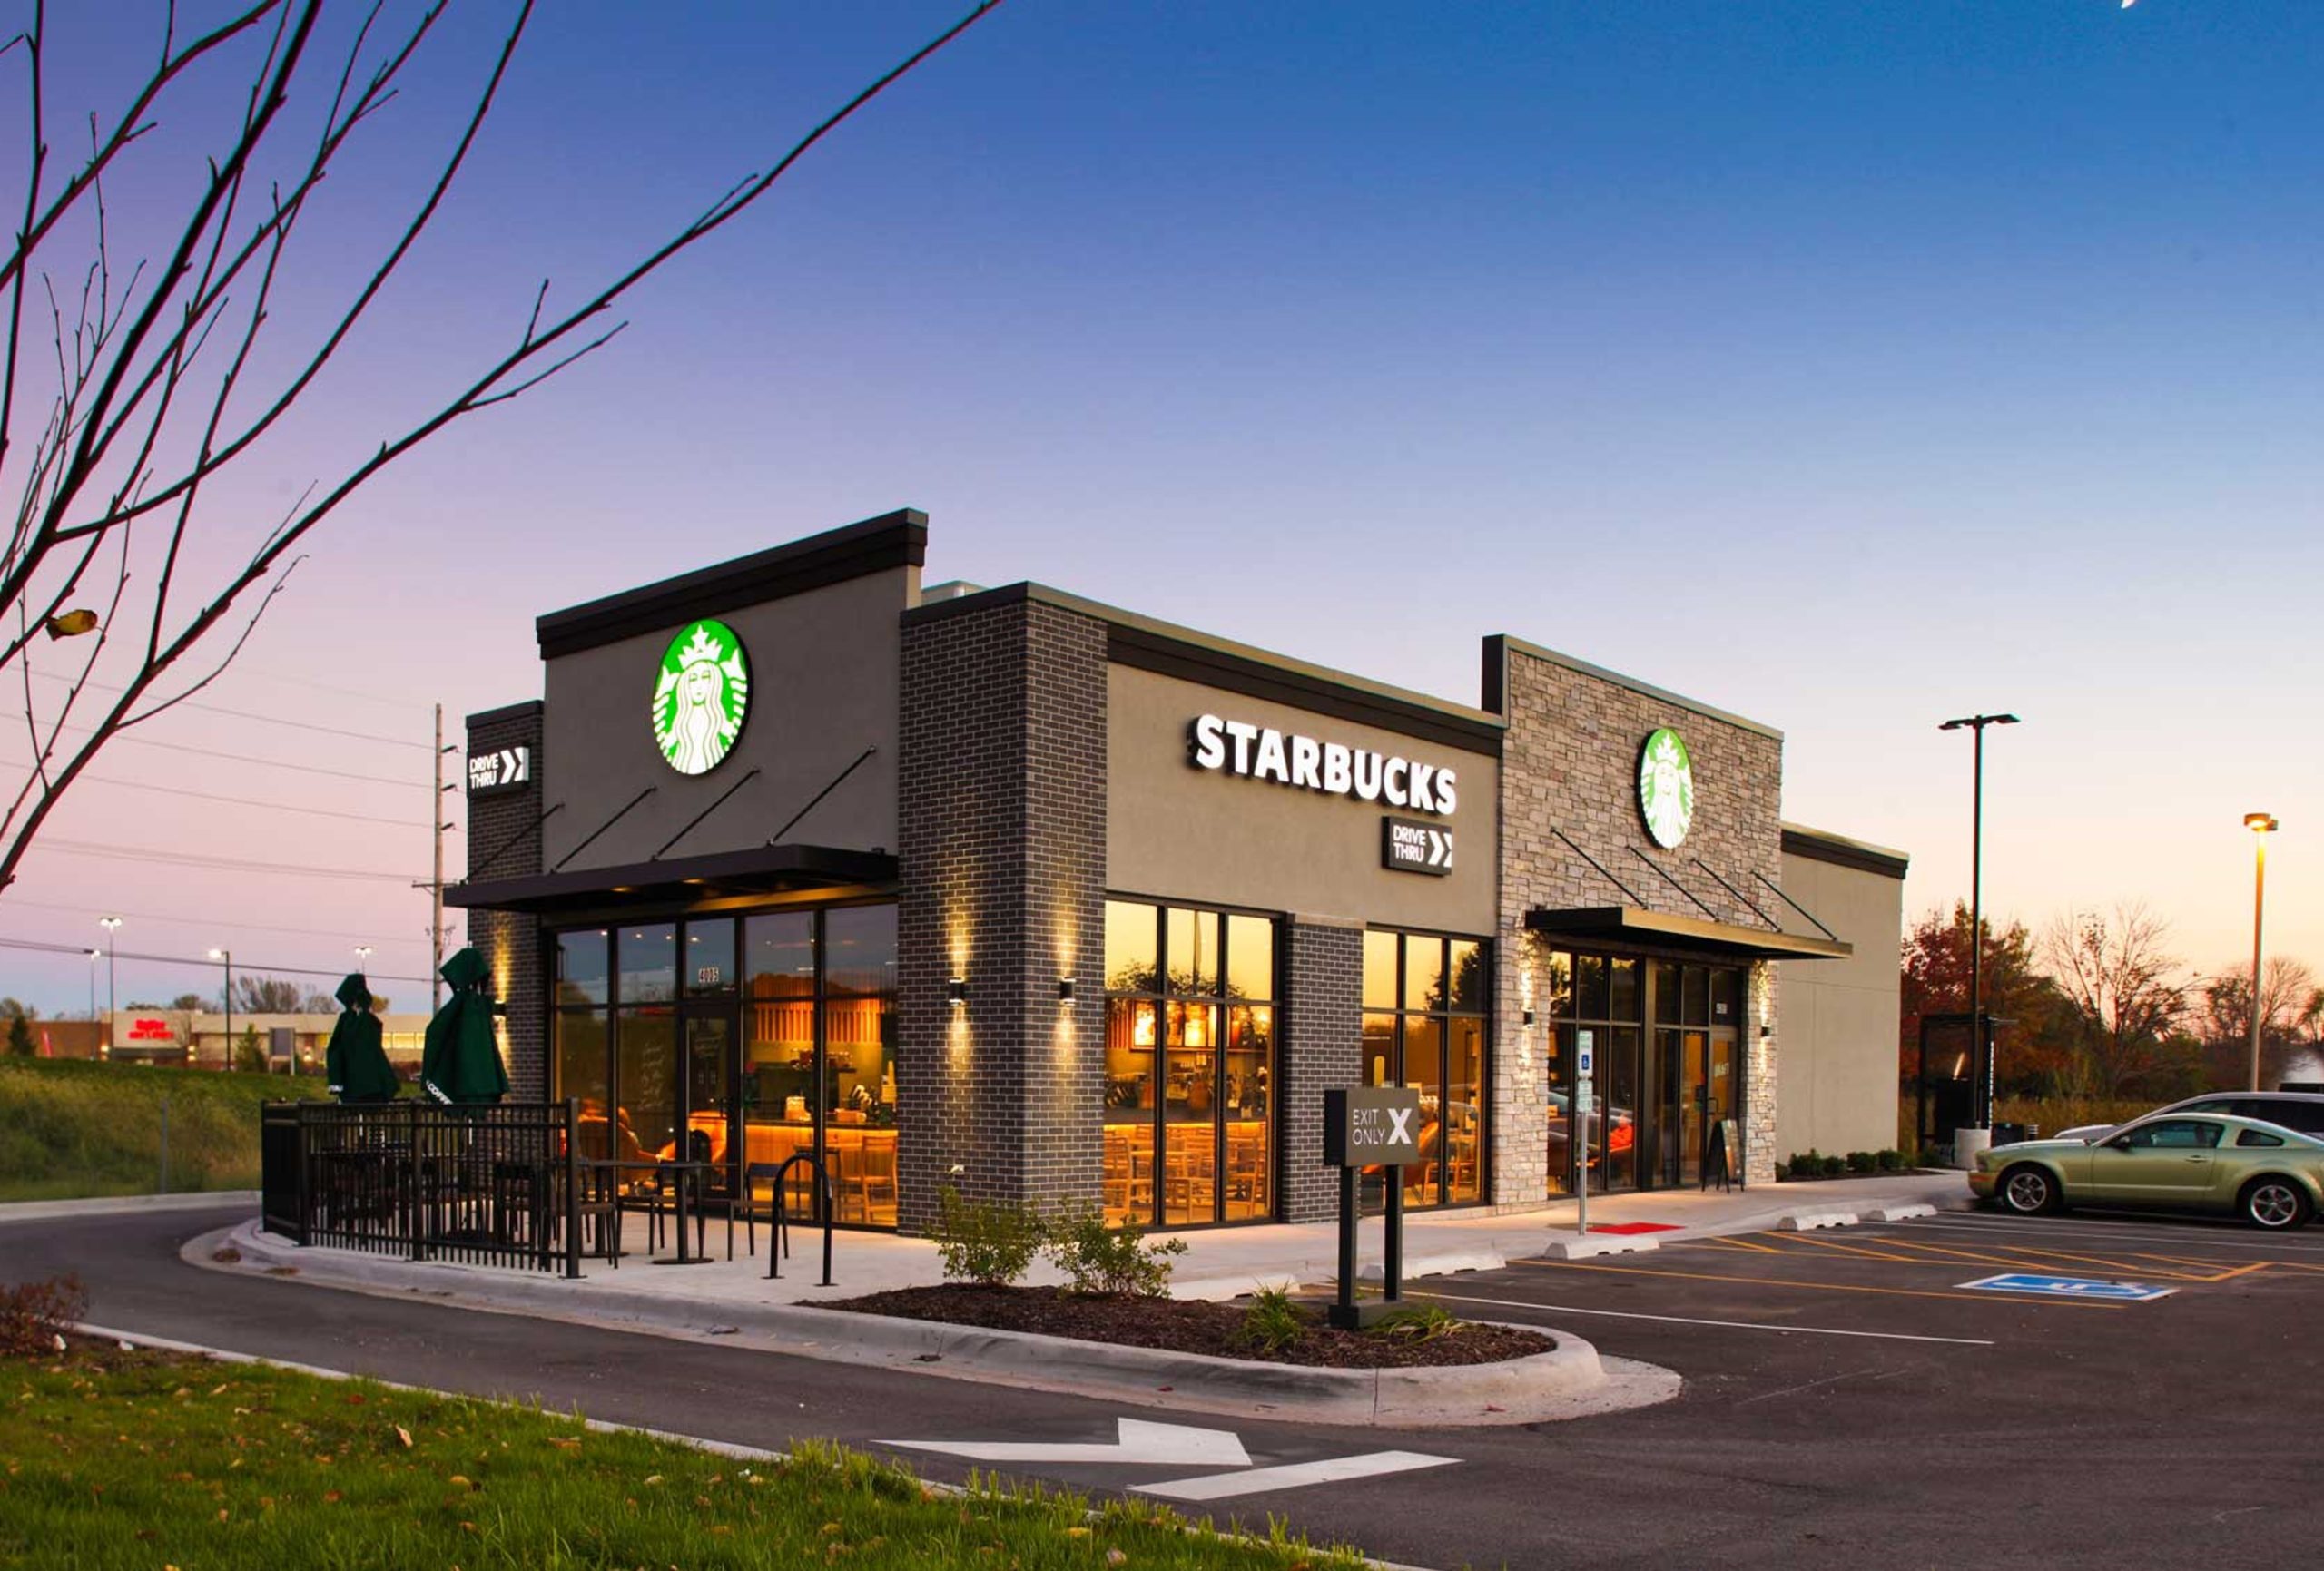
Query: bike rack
{"points": [[778, 1243]]}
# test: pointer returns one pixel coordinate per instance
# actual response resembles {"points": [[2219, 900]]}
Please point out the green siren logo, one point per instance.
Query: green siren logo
{"points": [[1665, 788], [703, 694]]}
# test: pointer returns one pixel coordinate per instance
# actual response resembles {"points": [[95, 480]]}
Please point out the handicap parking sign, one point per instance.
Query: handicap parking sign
{"points": [[2081, 1287]]}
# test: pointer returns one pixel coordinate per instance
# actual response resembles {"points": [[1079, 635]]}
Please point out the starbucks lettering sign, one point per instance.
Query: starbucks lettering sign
{"points": [[1665, 788], [701, 696]]}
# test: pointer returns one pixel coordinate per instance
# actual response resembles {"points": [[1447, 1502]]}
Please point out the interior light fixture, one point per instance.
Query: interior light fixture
{"points": [[956, 989]]}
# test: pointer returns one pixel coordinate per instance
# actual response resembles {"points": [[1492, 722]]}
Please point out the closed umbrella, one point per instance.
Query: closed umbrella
{"points": [[459, 1065], [355, 1063]]}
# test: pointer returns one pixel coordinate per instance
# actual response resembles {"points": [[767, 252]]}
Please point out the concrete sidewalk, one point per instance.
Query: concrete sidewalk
{"points": [[1219, 1263]]}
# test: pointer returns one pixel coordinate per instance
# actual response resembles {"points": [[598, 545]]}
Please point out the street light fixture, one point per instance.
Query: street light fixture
{"points": [[362, 955], [111, 925], [103, 1036], [2262, 825], [1983, 1114], [228, 957]]}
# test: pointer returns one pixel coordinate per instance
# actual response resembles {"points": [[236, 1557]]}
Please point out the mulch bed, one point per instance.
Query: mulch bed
{"points": [[1188, 1326]]}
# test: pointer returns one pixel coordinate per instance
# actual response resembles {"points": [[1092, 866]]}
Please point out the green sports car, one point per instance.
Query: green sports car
{"points": [[2270, 1176]]}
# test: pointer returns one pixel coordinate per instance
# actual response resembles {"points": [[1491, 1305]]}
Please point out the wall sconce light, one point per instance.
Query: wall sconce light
{"points": [[1527, 1018], [1767, 1030], [956, 989], [959, 1168], [1065, 989]]}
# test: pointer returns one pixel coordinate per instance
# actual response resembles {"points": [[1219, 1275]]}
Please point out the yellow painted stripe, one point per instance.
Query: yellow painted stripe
{"points": [[1987, 1297], [1739, 1243], [1834, 1243], [1951, 1255]]}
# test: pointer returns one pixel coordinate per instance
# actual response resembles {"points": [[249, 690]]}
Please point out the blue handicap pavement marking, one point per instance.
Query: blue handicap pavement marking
{"points": [[2080, 1287]]}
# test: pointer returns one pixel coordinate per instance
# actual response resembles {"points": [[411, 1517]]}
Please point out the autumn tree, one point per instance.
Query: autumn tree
{"points": [[144, 399], [2118, 974], [2033, 1043], [2291, 1007]]}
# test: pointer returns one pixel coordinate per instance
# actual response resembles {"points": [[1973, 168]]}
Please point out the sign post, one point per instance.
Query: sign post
{"points": [[1370, 1126], [1584, 1104]]}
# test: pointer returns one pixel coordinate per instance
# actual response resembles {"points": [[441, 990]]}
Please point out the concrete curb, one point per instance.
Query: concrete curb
{"points": [[1808, 1221], [196, 1200], [1439, 1263], [1595, 1245], [1898, 1213], [1570, 1381]]}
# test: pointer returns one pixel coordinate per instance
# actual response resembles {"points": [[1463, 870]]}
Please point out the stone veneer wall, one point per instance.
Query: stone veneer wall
{"points": [[1321, 1047], [504, 832], [1002, 857], [1569, 762]]}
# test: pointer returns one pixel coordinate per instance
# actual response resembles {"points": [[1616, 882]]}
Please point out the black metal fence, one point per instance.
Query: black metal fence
{"points": [[488, 1185]]}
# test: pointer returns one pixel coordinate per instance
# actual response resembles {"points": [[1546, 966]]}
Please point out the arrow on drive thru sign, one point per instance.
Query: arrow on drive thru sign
{"points": [[1138, 1441], [1439, 848]]}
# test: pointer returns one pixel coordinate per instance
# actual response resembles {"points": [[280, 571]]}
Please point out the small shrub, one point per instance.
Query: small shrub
{"points": [[1860, 1161], [1421, 1324], [1890, 1161], [1835, 1167], [1097, 1259], [987, 1242], [1783, 1171], [1806, 1164], [33, 1314], [1272, 1323]]}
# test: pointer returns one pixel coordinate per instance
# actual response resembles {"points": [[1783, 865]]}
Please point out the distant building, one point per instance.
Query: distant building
{"points": [[199, 1039]]}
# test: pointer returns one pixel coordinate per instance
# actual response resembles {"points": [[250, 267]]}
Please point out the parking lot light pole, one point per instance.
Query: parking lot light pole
{"points": [[2262, 825], [1981, 1113], [111, 925]]}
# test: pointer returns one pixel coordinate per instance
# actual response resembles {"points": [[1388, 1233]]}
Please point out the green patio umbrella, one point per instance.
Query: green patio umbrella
{"points": [[355, 1063], [458, 1064]]}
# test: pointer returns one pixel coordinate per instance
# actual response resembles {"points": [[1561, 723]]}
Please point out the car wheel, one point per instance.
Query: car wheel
{"points": [[2027, 1190], [2277, 1204]]}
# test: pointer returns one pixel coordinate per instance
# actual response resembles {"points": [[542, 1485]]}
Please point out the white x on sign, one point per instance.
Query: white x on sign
{"points": [[1399, 1124]]}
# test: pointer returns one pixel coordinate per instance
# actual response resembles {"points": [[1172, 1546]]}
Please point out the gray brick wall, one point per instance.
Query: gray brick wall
{"points": [[505, 841], [1322, 1048], [1569, 763], [1001, 773]]}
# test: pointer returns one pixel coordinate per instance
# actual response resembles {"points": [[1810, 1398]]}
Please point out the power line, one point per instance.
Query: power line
{"points": [[133, 741], [248, 714], [230, 802], [248, 968], [221, 864], [11, 902]]}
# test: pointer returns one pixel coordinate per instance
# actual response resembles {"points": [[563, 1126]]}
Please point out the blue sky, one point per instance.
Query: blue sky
{"points": [[1848, 365]]}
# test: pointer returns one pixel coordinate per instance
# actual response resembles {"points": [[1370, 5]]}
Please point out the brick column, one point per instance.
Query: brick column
{"points": [[1001, 782], [1322, 1048], [504, 842]]}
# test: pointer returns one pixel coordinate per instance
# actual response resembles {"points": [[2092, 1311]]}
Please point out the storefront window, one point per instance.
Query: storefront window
{"points": [[1189, 1065], [738, 1065], [1659, 1090], [1435, 1044]]}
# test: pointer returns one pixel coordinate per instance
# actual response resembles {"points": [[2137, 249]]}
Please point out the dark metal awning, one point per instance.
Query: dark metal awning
{"points": [[759, 871], [1633, 924]]}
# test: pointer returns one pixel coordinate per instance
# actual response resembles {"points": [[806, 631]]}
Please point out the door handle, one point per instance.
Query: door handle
{"points": [[2194, 1159]]}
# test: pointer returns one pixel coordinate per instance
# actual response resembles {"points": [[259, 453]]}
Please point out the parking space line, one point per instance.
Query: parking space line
{"points": [[1951, 1255], [2100, 1231], [2040, 1257], [1810, 1286], [1738, 1244], [1567, 1309], [1834, 1243]]}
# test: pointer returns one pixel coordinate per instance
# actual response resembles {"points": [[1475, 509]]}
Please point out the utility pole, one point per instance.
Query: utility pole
{"points": [[435, 885]]}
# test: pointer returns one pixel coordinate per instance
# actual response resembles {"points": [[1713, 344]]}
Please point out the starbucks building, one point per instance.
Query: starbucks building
{"points": [[1013, 891]]}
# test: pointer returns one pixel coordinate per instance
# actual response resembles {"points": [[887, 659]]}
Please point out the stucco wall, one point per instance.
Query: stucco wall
{"points": [[823, 683], [1177, 831], [1840, 1017]]}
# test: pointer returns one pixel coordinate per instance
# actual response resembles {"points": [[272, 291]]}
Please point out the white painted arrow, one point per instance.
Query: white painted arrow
{"points": [[1146, 1444]]}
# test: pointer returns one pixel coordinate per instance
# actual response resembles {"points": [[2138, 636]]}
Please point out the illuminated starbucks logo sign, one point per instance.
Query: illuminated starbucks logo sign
{"points": [[701, 697], [1665, 788]]}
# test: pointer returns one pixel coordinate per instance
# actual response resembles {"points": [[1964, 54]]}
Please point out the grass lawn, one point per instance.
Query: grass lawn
{"points": [[148, 1461], [69, 1128]]}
